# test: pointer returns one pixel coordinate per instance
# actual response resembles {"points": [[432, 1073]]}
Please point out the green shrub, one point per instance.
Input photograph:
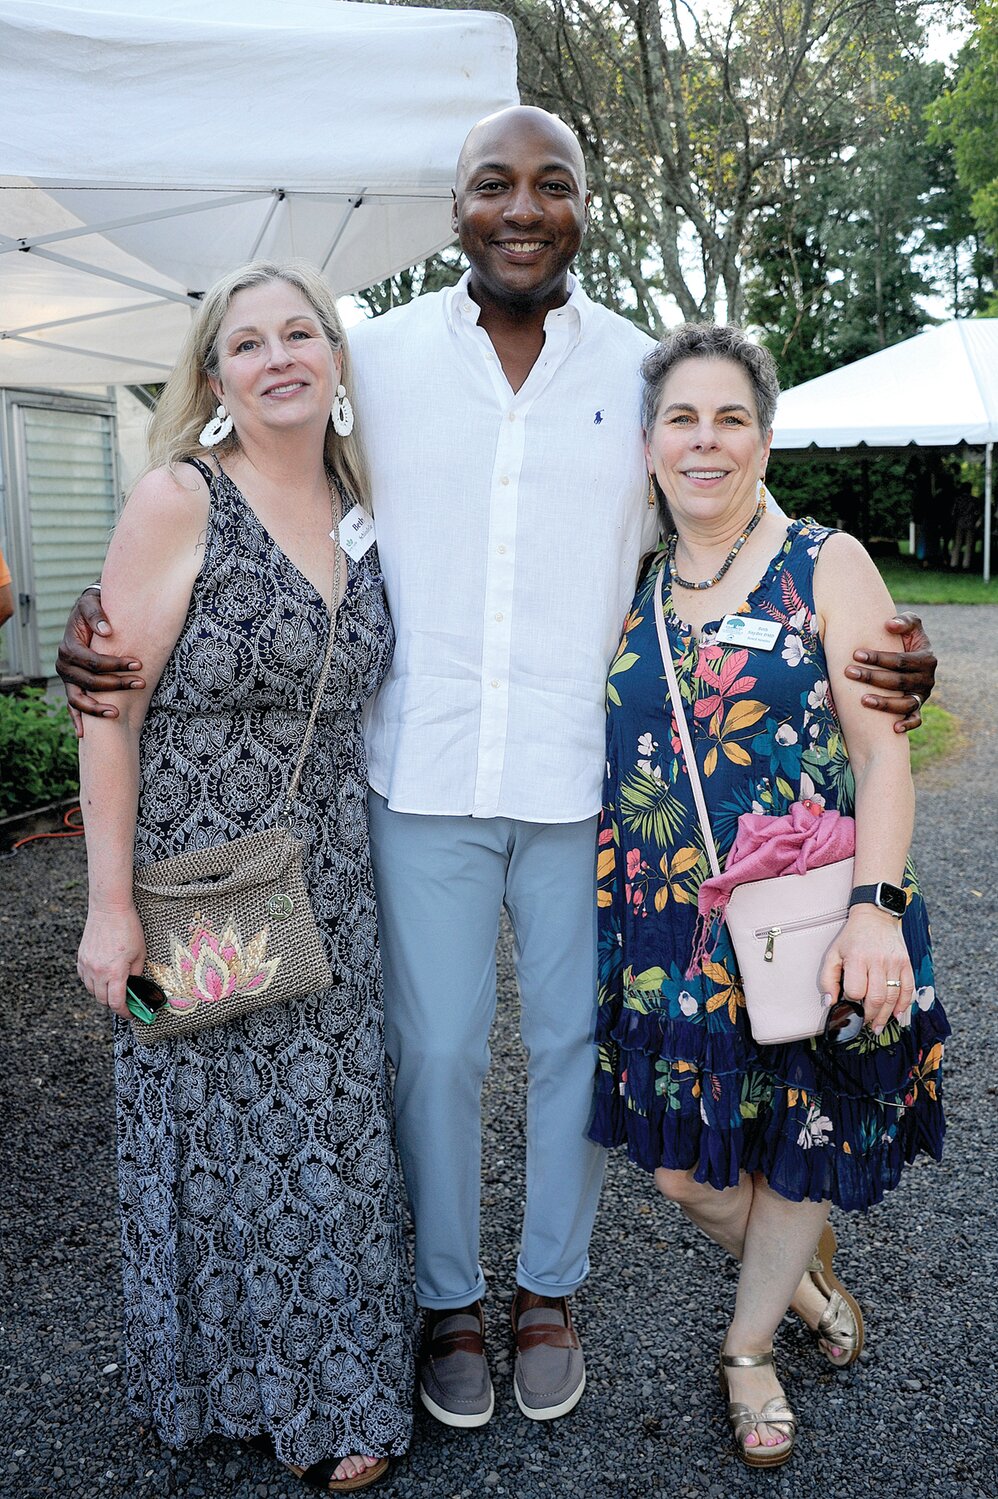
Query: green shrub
{"points": [[38, 761]]}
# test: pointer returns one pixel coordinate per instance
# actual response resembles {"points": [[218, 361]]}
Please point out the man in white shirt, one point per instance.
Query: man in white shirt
{"points": [[507, 467], [502, 422]]}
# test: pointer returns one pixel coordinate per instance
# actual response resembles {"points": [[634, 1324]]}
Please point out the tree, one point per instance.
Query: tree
{"points": [[965, 117], [834, 269], [695, 120], [440, 270]]}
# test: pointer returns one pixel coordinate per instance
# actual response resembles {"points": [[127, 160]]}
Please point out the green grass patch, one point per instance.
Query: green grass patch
{"points": [[938, 736], [910, 583]]}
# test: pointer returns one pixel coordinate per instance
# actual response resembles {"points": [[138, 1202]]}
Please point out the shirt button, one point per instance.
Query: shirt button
{"points": [[501, 550], [504, 479], [495, 681], [498, 619], [512, 416]]}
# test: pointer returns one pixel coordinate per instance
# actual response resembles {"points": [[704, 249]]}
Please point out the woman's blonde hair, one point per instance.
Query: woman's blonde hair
{"points": [[187, 401]]}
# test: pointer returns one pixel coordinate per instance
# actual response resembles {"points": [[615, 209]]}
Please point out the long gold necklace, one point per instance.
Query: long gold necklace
{"points": [[670, 555], [335, 515]]}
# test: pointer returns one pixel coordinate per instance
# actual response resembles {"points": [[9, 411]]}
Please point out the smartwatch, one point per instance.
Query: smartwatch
{"points": [[890, 898]]}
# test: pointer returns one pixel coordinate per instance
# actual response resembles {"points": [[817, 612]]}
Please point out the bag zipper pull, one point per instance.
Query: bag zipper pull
{"points": [[771, 936]]}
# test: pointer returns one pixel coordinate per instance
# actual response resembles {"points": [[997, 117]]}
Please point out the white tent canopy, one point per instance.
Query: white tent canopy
{"points": [[938, 389], [150, 147]]}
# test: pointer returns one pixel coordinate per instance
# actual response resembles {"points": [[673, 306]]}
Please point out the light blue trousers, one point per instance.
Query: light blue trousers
{"points": [[441, 884]]}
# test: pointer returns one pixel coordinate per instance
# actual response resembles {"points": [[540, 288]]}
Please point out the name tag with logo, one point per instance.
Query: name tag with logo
{"points": [[356, 532], [755, 634]]}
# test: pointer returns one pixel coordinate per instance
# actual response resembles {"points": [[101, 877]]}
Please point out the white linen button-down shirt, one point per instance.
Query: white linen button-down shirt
{"points": [[510, 526]]}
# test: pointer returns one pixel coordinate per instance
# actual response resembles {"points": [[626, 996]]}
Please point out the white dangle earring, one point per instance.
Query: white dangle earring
{"points": [[342, 413], [217, 429]]}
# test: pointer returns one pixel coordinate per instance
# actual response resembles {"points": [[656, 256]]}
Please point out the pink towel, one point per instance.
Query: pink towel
{"points": [[806, 837]]}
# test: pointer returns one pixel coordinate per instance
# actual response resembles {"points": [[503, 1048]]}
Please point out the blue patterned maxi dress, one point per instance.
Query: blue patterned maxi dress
{"points": [[680, 1081], [265, 1283]]}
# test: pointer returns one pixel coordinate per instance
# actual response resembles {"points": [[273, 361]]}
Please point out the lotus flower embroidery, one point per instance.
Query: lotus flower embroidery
{"points": [[214, 966]]}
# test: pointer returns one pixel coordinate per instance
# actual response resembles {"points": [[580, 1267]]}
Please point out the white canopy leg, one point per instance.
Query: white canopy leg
{"points": [[988, 476]]}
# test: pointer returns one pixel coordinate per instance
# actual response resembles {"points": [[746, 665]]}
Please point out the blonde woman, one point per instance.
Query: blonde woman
{"points": [[265, 1295]]}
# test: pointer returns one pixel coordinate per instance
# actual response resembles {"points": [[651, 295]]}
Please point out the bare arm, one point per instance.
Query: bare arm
{"points": [[907, 676], [150, 570], [85, 671], [6, 603], [852, 602]]}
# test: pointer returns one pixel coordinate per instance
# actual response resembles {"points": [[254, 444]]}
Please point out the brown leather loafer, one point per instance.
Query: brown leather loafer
{"points": [[454, 1381], [550, 1372]]}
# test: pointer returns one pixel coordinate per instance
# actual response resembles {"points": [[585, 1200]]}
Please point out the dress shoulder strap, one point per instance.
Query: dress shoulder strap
{"points": [[790, 581], [202, 468]]}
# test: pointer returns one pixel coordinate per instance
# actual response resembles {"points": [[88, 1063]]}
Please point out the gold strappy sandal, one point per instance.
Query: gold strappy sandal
{"points": [[743, 1419], [841, 1323]]}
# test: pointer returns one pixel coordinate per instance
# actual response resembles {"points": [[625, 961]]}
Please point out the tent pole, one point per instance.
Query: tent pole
{"points": [[108, 275], [43, 343], [32, 241], [988, 476]]}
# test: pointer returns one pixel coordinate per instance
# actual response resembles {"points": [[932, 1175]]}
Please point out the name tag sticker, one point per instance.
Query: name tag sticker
{"points": [[356, 532], [742, 629]]}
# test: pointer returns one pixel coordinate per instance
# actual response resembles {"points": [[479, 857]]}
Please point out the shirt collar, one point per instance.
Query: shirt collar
{"points": [[462, 308]]}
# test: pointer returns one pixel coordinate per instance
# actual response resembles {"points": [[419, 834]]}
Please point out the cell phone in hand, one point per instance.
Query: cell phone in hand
{"points": [[143, 998]]}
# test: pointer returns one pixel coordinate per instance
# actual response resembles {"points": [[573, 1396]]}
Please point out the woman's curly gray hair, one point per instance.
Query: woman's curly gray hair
{"points": [[710, 341]]}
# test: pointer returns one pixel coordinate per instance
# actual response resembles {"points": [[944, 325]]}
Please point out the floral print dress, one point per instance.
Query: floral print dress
{"points": [[681, 1083]]}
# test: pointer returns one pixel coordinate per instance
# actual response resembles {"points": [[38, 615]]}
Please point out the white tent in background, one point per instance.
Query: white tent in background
{"points": [[151, 145], [938, 389]]}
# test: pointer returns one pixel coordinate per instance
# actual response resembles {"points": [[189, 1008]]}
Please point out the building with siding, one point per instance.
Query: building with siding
{"points": [[60, 491]]}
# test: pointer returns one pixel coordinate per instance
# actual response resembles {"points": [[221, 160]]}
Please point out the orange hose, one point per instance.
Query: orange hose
{"points": [[75, 831]]}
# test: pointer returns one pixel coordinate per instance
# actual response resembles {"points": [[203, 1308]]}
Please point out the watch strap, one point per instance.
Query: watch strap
{"points": [[869, 895]]}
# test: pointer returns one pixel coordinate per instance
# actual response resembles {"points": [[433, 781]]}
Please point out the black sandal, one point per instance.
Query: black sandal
{"points": [[320, 1476]]}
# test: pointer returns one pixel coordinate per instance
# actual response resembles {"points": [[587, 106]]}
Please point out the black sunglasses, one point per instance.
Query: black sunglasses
{"points": [[143, 998], [844, 1020]]}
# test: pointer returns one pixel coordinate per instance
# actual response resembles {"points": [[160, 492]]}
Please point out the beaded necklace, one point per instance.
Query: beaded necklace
{"points": [[670, 556]]}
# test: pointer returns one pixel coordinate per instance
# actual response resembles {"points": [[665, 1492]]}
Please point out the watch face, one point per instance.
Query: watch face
{"points": [[892, 899]]}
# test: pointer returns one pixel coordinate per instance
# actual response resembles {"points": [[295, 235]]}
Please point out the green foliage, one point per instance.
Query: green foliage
{"points": [[871, 493], [38, 757], [443, 269], [966, 117], [835, 268]]}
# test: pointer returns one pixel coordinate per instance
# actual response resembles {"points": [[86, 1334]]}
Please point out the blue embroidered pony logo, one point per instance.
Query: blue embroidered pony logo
{"points": [[597, 418]]}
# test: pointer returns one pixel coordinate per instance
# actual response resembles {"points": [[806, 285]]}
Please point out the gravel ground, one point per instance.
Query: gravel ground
{"points": [[918, 1410]]}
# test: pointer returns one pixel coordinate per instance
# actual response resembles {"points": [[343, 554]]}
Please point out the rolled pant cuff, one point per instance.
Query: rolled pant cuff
{"points": [[548, 1287], [459, 1298]]}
